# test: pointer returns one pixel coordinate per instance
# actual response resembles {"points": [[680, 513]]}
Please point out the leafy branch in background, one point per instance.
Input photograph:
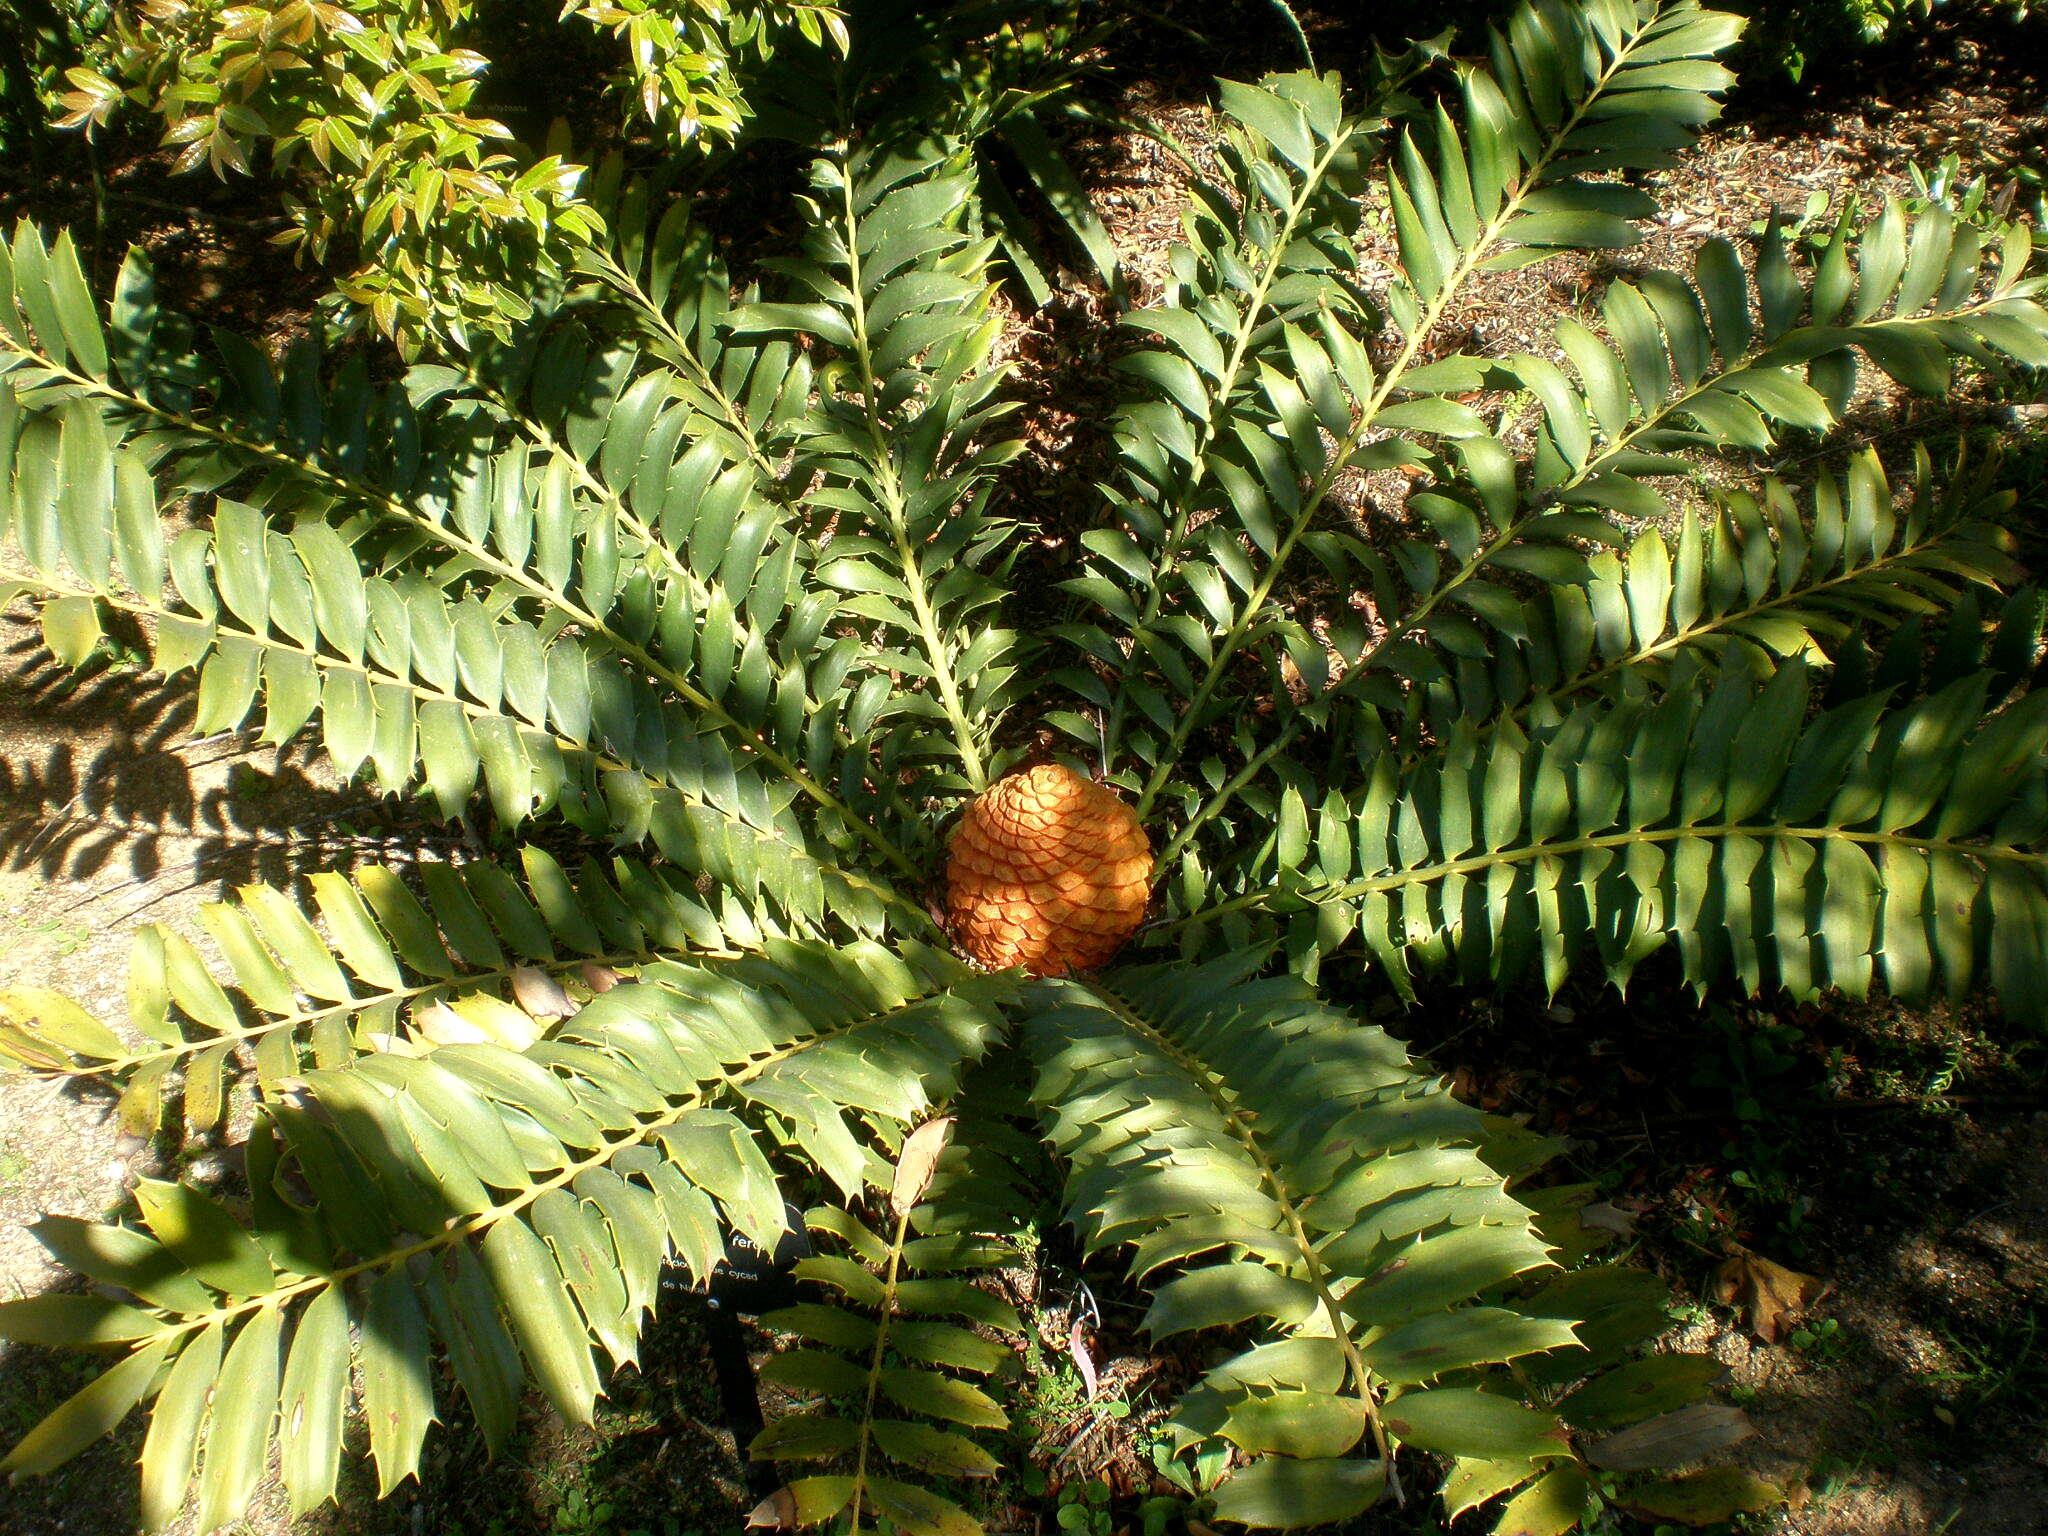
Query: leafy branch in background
{"points": [[1791, 37], [1406, 660], [446, 221], [683, 70], [39, 41]]}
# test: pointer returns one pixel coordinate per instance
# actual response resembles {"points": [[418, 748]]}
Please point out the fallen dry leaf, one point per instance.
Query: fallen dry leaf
{"points": [[1704, 1498], [442, 1025], [1602, 1217], [540, 994], [1770, 1295], [1672, 1439], [778, 1510], [919, 1161], [1077, 1350]]}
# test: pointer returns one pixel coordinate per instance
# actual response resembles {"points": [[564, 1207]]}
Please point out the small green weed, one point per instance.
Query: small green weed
{"points": [[584, 1513], [1756, 1062], [115, 655], [1973, 200], [1807, 226], [1191, 1474], [1055, 1396], [1917, 1081], [1084, 1508], [1688, 1311], [65, 938], [1749, 1058], [1821, 1341], [579, 1514], [1998, 1364]]}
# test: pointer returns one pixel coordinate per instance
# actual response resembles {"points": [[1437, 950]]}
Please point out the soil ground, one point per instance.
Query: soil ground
{"points": [[1901, 1157]]}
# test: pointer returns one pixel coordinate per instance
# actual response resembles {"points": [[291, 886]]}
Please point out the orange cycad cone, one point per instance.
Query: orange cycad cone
{"points": [[1049, 871]]}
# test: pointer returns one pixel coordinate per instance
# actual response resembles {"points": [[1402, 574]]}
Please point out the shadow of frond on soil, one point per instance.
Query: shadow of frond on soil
{"points": [[102, 787]]}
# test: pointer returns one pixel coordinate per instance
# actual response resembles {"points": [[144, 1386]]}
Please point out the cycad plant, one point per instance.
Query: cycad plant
{"points": [[1391, 661]]}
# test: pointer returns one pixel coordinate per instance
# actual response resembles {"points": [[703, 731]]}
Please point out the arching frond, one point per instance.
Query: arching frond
{"points": [[903, 441], [506, 1209], [1757, 577], [1686, 364], [1270, 275], [1292, 1171], [890, 1359], [551, 537], [1303, 1185], [468, 953], [1563, 100], [661, 269], [417, 690], [1905, 845], [666, 669]]}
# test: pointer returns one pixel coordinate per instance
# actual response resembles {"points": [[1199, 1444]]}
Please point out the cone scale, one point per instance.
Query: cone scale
{"points": [[1046, 870]]}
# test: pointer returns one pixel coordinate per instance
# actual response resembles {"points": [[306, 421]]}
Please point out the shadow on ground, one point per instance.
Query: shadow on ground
{"points": [[107, 802]]}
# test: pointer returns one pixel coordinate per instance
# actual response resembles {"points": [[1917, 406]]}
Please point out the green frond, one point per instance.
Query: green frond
{"points": [[890, 1362], [592, 514], [1686, 366], [421, 691], [1907, 845], [708, 582], [1602, 1387], [1620, 1398], [469, 952], [1570, 94], [1757, 578], [447, 690], [901, 438], [507, 1209], [1574, 92], [336, 447], [993, 1170], [1997, 633], [1291, 1170], [1295, 1175], [665, 277], [1720, 359], [1270, 276]]}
